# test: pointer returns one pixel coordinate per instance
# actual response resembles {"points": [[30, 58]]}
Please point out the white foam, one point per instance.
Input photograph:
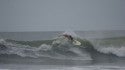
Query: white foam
{"points": [[44, 47], [2, 40], [110, 49], [84, 54]]}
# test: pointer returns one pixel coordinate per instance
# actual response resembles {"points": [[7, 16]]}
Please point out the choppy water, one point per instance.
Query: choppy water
{"points": [[35, 49]]}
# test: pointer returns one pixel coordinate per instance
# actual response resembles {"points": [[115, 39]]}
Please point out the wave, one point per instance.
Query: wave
{"points": [[57, 49], [114, 46], [60, 48]]}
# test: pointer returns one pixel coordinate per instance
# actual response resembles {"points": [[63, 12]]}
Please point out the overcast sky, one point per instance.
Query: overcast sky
{"points": [[56, 15]]}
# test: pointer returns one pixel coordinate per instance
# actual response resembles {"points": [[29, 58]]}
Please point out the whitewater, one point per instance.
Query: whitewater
{"points": [[105, 52]]}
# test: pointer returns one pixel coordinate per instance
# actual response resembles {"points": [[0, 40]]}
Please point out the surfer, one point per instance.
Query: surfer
{"points": [[70, 38]]}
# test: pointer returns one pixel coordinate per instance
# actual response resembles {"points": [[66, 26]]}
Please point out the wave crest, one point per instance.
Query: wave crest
{"points": [[112, 46]]}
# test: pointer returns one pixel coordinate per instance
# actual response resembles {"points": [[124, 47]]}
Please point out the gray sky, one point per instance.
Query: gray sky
{"points": [[56, 15]]}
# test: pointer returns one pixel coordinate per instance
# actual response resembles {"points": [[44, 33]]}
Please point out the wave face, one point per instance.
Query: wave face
{"points": [[58, 48]]}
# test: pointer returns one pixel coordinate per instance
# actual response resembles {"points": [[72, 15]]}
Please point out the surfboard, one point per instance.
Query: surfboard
{"points": [[75, 42]]}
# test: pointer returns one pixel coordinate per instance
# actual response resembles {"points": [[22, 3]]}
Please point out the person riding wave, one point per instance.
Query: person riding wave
{"points": [[70, 38]]}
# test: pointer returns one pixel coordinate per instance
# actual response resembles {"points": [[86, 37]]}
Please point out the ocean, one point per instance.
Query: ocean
{"points": [[99, 50]]}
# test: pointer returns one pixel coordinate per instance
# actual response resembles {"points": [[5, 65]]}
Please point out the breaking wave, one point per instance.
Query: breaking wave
{"points": [[114, 46], [57, 49], [61, 48], [119, 51]]}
